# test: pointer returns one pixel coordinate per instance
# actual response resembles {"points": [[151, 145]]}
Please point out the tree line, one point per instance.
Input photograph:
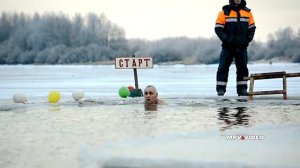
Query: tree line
{"points": [[54, 38]]}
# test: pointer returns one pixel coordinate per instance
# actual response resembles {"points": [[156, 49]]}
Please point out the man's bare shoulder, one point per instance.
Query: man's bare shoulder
{"points": [[160, 101]]}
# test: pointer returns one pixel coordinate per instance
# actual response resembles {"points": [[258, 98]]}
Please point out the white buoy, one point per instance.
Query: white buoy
{"points": [[19, 98], [78, 94]]}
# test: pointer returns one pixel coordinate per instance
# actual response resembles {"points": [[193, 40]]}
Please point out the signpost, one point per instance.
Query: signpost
{"points": [[134, 63]]}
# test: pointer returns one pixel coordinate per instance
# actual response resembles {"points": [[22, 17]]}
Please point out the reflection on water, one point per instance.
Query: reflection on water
{"points": [[54, 107], [237, 116], [152, 107]]}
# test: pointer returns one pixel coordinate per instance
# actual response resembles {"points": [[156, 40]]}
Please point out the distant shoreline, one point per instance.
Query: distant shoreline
{"points": [[167, 63]]}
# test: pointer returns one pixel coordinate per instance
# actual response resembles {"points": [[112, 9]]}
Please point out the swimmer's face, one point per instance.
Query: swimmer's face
{"points": [[237, 2], [150, 95]]}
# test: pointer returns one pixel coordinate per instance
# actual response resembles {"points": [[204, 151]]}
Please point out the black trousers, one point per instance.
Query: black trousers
{"points": [[225, 60]]}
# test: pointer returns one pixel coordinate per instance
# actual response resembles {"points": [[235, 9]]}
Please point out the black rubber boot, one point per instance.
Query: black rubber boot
{"points": [[244, 93]]}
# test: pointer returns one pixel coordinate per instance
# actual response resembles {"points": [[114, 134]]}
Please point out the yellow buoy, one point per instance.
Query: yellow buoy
{"points": [[54, 96]]}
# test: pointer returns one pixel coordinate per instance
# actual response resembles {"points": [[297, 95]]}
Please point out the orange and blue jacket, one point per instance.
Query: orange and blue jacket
{"points": [[235, 27]]}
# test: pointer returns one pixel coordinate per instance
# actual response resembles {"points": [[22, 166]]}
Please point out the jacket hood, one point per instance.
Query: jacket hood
{"points": [[228, 8]]}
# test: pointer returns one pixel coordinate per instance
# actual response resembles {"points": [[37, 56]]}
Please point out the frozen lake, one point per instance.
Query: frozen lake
{"points": [[104, 81], [195, 128]]}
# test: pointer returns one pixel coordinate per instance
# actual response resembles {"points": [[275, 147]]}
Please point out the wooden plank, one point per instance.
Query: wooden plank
{"points": [[293, 74], [251, 88], [284, 87], [268, 75], [267, 92], [272, 75]]}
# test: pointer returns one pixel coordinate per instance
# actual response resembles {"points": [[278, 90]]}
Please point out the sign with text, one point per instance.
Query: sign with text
{"points": [[133, 62]]}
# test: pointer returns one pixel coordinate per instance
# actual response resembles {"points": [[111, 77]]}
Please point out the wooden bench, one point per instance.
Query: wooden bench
{"points": [[270, 75]]}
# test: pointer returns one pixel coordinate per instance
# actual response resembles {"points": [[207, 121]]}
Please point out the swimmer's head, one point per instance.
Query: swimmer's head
{"points": [[150, 95]]}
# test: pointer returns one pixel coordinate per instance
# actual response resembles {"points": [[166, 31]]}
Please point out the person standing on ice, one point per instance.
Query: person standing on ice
{"points": [[235, 28]]}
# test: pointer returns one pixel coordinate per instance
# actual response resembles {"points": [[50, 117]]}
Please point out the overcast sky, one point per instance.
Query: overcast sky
{"points": [[155, 19]]}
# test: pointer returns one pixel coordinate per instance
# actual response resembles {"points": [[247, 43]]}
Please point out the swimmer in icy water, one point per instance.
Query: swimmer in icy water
{"points": [[151, 96]]}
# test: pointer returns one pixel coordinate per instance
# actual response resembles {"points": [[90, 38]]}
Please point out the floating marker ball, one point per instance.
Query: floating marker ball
{"points": [[19, 98], [130, 88], [78, 94], [54, 96], [124, 92]]}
